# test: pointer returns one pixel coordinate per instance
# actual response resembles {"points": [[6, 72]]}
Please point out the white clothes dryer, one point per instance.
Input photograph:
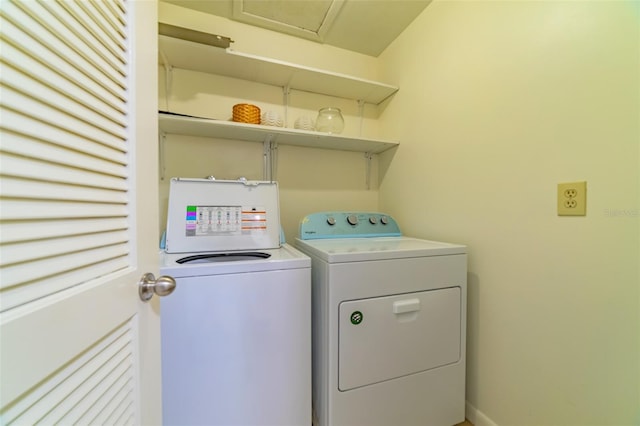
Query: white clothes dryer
{"points": [[236, 332], [389, 323]]}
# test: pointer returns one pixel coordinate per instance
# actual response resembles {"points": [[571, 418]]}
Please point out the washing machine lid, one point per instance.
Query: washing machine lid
{"points": [[285, 257], [341, 250], [221, 215]]}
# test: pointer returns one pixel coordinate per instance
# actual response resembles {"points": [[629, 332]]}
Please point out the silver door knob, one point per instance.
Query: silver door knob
{"points": [[149, 285]]}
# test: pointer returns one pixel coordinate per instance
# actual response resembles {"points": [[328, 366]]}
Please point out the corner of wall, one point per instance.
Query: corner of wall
{"points": [[477, 417]]}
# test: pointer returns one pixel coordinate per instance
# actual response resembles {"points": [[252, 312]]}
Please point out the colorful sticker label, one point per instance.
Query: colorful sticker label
{"points": [[225, 220]]}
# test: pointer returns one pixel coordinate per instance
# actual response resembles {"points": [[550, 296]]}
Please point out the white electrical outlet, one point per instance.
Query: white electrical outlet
{"points": [[572, 199]]}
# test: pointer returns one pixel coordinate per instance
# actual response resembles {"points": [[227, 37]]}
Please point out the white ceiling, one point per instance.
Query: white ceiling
{"points": [[364, 26]]}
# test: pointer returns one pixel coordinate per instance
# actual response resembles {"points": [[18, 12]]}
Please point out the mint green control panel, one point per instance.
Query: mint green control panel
{"points": [[324, 225]]}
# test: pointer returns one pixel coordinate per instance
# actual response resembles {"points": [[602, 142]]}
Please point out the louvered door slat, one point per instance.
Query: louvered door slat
{"points": [[96, 24], [20, 295], [28, 168], [87, 402], [62, 41], [25, 146], [36, 269], [61, 20], [112, 404], [24, 130], [111, 389], [13, 98], [81, 384], [21, 188], [121, 412], [111, 15], [87, 104], [66, 414], [29, 251], [61, 399], [108, 362], [93, 113], [28, 210], [120, 7], [13, 232], [131, 420], [61, 67]]}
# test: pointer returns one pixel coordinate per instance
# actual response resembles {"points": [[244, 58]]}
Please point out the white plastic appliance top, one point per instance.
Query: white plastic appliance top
{"points": [[341, 250], [337, 237], [222, 215], [286, 257]]}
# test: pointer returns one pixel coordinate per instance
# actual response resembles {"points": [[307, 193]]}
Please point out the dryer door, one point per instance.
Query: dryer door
{"points": [[383, 338]]}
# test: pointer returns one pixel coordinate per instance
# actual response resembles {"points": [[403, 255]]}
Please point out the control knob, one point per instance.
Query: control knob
{"points": [[331, 220], [384, 220], [352, 219], [373, 220]]}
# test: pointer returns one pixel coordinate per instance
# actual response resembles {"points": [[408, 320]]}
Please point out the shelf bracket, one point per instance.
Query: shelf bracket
{"points": [[361, 115], [286, 91], [269, 158], [368, 157], [162, 137], [168, 78]]}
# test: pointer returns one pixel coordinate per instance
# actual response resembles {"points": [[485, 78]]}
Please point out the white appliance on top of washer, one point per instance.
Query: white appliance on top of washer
{"points": [[236, 332], [389, 323]]}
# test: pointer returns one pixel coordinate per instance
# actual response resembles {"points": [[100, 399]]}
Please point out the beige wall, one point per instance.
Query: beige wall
{"points": [[499, 102]]}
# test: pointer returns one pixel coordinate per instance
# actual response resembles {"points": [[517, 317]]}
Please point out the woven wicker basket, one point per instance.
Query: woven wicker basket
{"points": [[246, 113]]}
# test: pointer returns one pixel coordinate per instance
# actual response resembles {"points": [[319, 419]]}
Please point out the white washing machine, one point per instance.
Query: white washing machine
{"points": [[236, 332], [389, 323]]}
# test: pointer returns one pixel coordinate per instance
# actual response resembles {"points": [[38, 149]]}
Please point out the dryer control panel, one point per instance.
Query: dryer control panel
{"points": [[348, 225]]}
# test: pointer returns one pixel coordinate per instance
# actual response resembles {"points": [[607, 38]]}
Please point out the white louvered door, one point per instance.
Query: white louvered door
{"points": [[78, 212]]}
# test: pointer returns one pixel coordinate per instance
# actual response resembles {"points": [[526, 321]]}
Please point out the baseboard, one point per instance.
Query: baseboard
{"points": [[477, 417]]}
